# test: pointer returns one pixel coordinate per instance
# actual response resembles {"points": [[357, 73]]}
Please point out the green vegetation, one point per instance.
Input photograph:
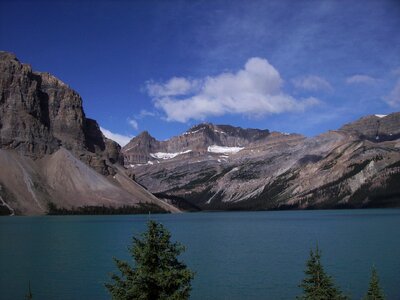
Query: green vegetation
{"points": [[318, 285], [177, 201], [157, 274], [29, 295], [142, 208], [374, 290]]}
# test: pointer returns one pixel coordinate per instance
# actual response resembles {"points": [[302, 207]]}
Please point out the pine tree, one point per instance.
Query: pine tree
{"points": [[157, 274], [318, 285], [374, 290], [29, 295]]}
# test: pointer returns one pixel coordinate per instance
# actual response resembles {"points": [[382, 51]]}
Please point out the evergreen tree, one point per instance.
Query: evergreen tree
{"points": [[29, 295], [157, 274], [318, 285], [374, 290]]}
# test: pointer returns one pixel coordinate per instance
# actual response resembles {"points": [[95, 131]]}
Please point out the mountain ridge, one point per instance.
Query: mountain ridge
{"points": [[353, 166], [51, 153]]}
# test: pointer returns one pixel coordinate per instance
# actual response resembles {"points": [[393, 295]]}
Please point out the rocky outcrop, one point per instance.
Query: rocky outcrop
{"points": [[376, 128], [50, 151], [195, 142], [355, 166], [39, 113]]}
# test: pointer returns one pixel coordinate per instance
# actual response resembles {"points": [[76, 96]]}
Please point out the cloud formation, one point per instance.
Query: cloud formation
{"points": [[145, 113], [255, 90], [312, 83], [122, 140], [393, 99], [173, 87], [359, 78], [396, 71], [134, 124]]}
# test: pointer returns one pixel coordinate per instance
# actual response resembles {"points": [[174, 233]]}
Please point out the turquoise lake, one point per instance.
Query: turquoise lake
{"points": [[236, 255]]}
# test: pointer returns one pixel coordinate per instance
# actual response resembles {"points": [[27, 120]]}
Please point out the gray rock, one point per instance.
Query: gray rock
{"points": [[50, 151], [349, 167]]}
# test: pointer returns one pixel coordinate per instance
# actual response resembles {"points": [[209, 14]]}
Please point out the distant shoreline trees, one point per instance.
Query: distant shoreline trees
{"points": [[141, 208]]}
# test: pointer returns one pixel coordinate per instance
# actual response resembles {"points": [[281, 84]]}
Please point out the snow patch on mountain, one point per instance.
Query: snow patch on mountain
{"points": [[225, 150], [191, 132], [218, 131], [380, 116], [165, 155]]}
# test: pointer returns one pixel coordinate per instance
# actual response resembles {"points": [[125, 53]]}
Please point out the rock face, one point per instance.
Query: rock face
{"points": [[39, 113], [195, 142], [47, 144], [376, 128], [353, 167]]}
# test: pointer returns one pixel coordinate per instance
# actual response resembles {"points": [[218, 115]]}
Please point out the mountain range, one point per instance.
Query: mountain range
{"points": [[221, 167], [55, 159]]}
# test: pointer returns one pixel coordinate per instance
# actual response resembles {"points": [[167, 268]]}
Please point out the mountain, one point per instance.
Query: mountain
{"points": [[220, 167], [51, 154], [53, 157], [195, 142]]}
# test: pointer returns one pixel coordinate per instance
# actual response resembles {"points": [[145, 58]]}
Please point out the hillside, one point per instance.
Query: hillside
{"points": [[220, 167], [50, 153]]}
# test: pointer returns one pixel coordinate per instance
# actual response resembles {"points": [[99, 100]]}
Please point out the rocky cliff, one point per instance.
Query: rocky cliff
{"points": [[51, 153], [197, 141], [353, 167], [39, 113]]}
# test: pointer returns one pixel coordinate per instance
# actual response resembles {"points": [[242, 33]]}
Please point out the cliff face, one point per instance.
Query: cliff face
{"points": [[376, 128], [355, 166], [195, 142], [39, 113], [47, 144]]}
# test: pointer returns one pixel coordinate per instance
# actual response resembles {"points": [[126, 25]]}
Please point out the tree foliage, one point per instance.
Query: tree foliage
{"points": [[374, 290], [317, 285], [157, 273], [29, 295]]}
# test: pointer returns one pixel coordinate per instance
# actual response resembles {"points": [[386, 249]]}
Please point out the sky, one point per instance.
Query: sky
{"points": [[165, 66]]}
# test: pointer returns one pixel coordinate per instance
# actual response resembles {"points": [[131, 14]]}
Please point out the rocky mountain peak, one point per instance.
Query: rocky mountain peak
{"points": [[4, 55], [214, 130], [51, 154], [145, 135], [140, 142], [201, 126], [376, 128], [201, 139], [218, 167], [39, 114]]}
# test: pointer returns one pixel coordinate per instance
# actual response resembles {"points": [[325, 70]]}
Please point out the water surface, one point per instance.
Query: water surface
{"points": [[236, 255]]}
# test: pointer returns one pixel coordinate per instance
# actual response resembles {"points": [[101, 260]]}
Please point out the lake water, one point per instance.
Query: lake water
{"points": [[236, 255]]}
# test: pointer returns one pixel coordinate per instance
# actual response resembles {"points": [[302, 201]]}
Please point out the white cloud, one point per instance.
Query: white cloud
{"points": [[365, 79], [173, 87], [119, 138], [255, 90], [393, 99], [396, 71], [145, 113], [134, 124], [312, 83]]}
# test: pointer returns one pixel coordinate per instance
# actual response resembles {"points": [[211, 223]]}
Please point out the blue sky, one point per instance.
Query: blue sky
{"points": [[163, 66]]}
